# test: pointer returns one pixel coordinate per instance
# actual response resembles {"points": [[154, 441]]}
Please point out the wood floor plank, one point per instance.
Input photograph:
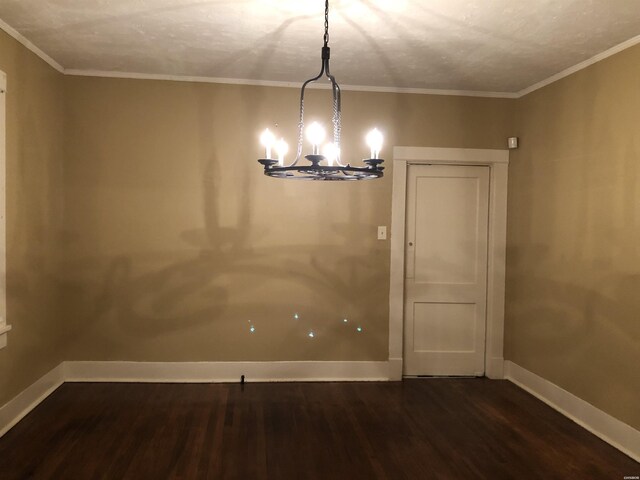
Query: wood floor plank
{"points": [[416, 429]]}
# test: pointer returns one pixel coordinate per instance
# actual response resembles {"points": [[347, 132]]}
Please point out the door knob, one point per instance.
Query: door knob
{"points": [[411, 244]]}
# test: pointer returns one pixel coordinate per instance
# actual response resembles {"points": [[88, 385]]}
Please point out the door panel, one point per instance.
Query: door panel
{"points": [[444, 326], [447, 258], [446, 269]]}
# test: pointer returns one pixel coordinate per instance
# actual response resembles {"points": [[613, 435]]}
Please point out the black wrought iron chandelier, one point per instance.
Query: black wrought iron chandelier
{"points": [[325, 163]]}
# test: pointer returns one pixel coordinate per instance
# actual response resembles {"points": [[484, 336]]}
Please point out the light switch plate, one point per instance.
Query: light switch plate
{"points": [[382, 233]]}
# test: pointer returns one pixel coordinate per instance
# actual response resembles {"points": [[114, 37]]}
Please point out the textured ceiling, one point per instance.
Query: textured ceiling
{"points": [[481, 45]]}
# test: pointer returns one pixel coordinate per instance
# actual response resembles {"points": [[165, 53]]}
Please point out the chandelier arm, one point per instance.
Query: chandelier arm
{"points": [[301, 120]]}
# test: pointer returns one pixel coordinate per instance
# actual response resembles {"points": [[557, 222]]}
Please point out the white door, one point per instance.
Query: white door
{"points": [[446, 270]]}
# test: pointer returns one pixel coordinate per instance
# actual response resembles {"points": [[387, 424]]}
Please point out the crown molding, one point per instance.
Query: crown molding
{"points": [[12, 32], [580, 66], [271, 83], [176, 78], [356, 88]]}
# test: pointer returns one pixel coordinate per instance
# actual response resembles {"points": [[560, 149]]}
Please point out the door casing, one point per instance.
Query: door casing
{"points": [[498, 163]]}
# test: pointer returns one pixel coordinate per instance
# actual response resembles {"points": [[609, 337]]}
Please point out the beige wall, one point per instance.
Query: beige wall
{"points": [[573, 266], [176, 240], [34, 109]]}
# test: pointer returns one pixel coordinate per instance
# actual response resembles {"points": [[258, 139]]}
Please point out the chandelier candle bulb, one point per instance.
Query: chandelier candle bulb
{"points": [[374, 141], [315, 135], [267, 139], [331, 153], [281, 148]]}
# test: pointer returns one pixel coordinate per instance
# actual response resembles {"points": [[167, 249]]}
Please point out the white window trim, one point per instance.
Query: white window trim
{"points": [[498, 161], [4, 328]]}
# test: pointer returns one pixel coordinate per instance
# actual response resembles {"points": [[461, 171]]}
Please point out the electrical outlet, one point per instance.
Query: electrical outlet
{"points": [[382, 233]]}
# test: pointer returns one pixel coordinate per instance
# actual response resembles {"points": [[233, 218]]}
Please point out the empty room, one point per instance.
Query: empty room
{"points": [[319, 239]]}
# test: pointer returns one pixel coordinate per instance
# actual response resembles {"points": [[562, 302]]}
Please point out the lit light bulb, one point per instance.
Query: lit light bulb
{"points": [[374, 141], [282, 148], [331, 153], [252, 329], [315, 135], [345, 320], [359, 329], [296, 316], [267, 139], [311, 334]]}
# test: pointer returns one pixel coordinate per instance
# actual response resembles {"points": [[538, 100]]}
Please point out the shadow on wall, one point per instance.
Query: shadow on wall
{"points": [[230, 288], [278, 284]]}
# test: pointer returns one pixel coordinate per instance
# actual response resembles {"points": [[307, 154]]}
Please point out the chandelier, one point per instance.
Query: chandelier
{"points": [[324, 162]]}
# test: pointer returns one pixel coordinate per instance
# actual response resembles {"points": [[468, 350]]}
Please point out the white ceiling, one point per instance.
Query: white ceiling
{"points": [[470, 45]]}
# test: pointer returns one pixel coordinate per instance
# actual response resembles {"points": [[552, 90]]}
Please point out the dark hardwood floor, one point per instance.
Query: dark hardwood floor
{"points": [[417, 429]]}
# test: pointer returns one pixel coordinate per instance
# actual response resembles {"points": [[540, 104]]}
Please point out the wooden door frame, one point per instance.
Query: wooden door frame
{"points": [[498, 163], [4, 327]]}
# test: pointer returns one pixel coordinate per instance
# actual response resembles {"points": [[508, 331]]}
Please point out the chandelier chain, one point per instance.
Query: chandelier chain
{"points": [[326, 23], [300, 129], [337, 124]]}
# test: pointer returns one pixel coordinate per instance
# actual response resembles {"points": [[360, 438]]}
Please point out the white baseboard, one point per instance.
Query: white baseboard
{"points": [[618, 434], [194, 372], [187, 372], [17, 408]]}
